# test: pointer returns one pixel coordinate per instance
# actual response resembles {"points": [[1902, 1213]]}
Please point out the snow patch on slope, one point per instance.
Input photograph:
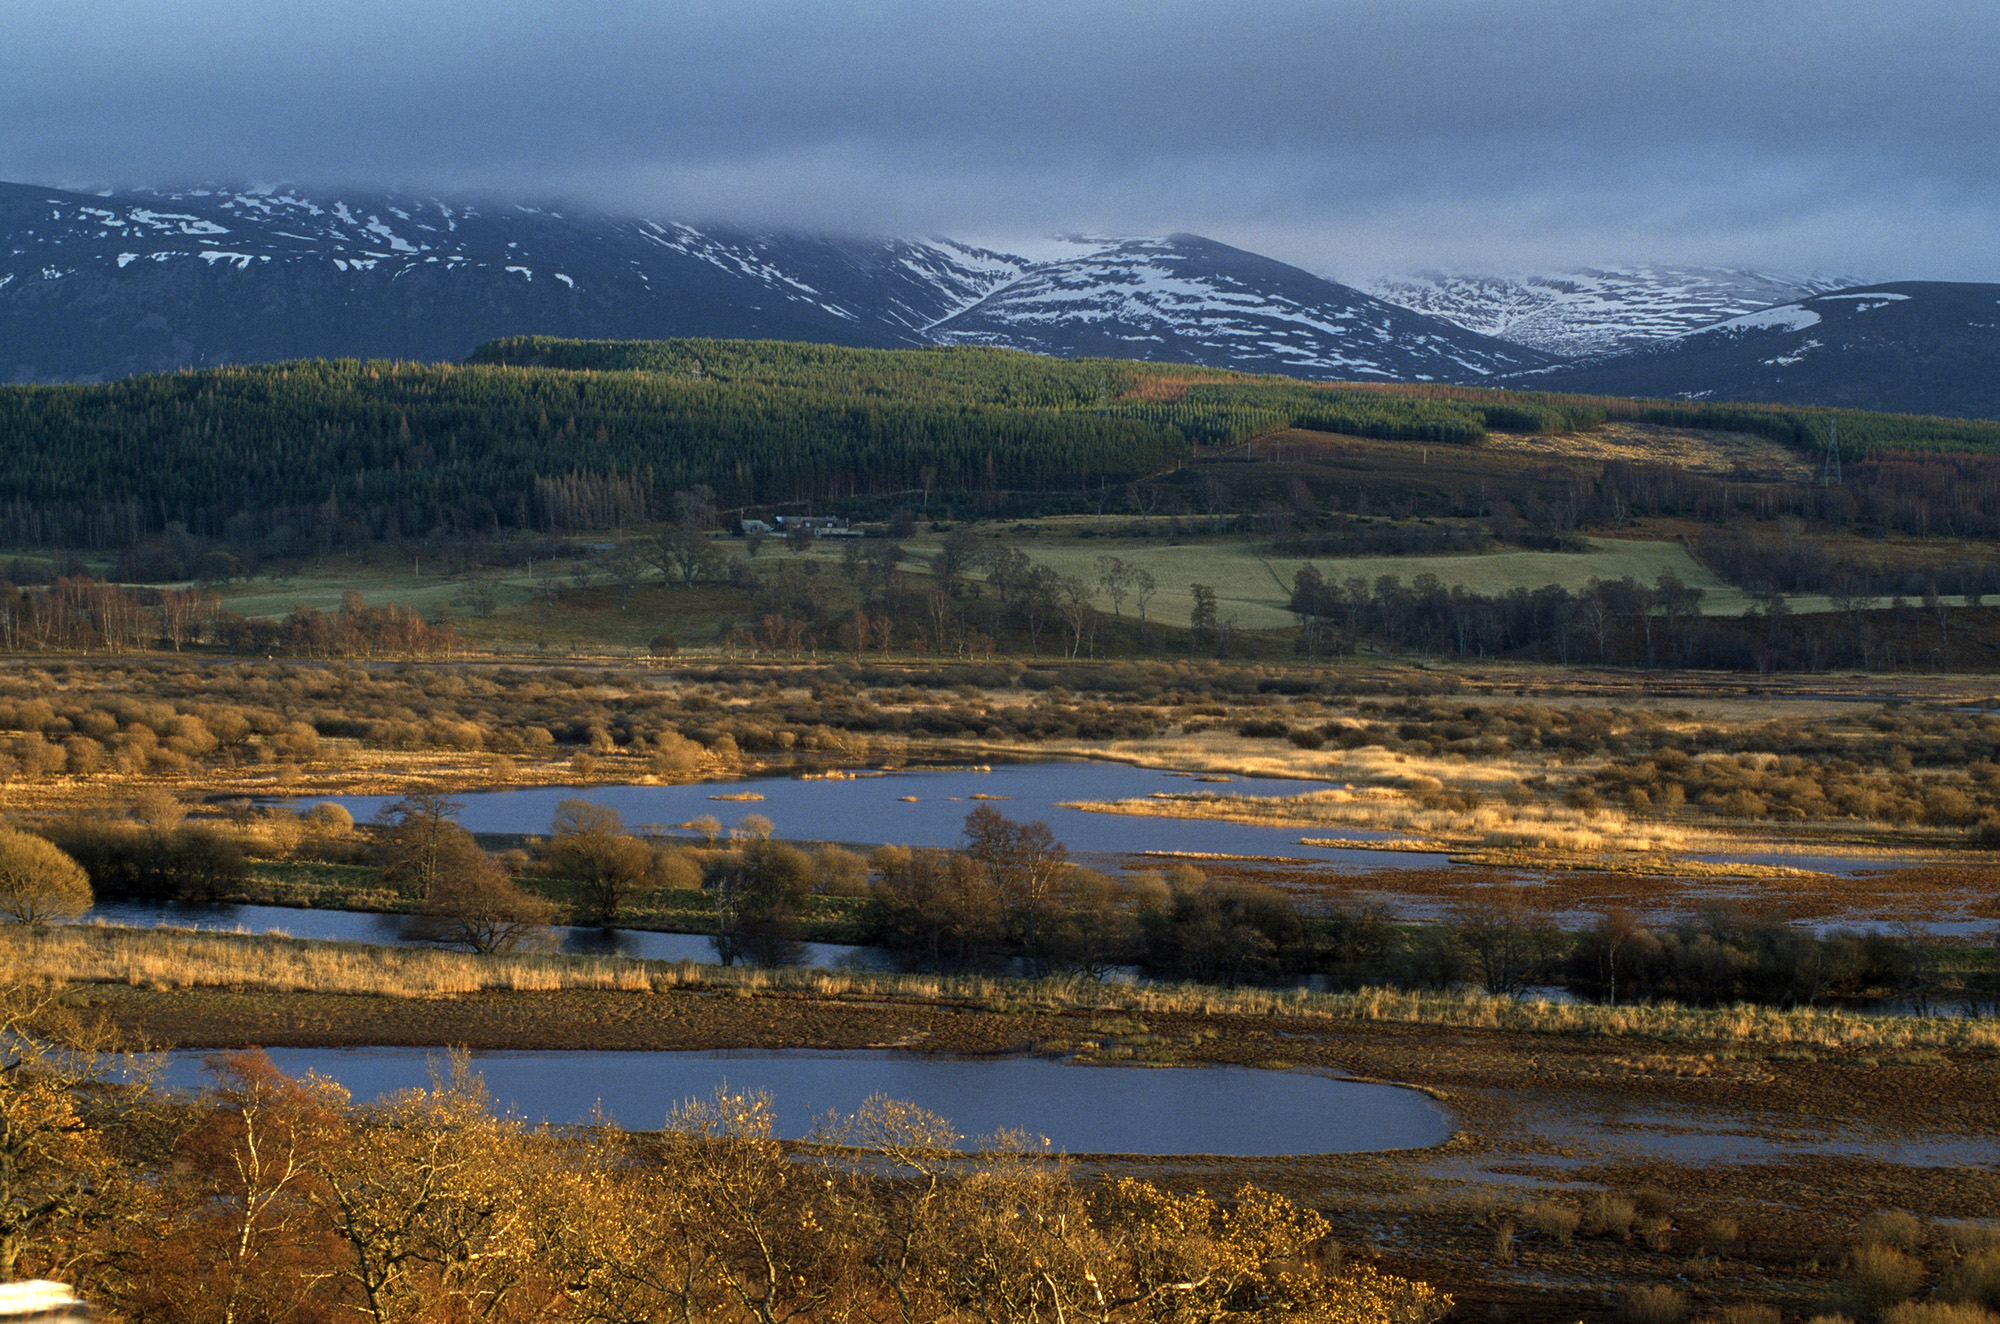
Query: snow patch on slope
{"points": [[1788, 317], [1183, 298], [1598, 311]]}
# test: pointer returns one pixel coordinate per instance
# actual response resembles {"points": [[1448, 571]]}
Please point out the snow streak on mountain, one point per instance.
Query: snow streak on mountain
{"points": [[1185, 299], [1597, 312], [92, 288], [1919, 347], [99, 287]]}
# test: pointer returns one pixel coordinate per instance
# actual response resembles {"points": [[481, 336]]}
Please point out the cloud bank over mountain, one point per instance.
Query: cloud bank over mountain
{"points": [[1347, 137]]}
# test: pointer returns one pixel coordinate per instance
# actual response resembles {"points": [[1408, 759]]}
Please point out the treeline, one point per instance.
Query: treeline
{"points": [[1205, 404], [1626, 623], [1790, 562], [1923, 495], [1859, 433], [1011, 899], [305, 457], [1717, 958], [264, 1197], [327, 449], [86, 615], [1338, 535], [579, 435]]}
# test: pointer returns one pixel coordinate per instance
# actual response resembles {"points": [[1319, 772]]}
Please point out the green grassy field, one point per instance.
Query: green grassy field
{"points": [[1255, 588], [1250, 586]]}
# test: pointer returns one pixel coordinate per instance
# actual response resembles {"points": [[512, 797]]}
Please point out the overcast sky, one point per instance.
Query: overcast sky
{"points": [[1349, 136]]}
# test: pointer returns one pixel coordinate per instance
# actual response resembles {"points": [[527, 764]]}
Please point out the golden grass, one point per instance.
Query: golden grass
{"points": [[1683, 448], [1369, 843], [184, 958], [172, 959], [1650, 866], [1531, 827]]}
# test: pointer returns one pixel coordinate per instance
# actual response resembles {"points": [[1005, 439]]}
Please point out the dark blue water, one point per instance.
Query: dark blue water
{"points": [[1081, 1110], [871, 810], [362, 926]]}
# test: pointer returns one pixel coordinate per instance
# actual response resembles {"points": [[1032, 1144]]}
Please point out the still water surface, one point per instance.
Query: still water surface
{"points": [[927, 807], [363, 926], [1081, 1110]]}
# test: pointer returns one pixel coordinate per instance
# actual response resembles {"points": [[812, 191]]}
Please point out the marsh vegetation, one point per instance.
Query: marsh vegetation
{"points": [[1704, 740]]}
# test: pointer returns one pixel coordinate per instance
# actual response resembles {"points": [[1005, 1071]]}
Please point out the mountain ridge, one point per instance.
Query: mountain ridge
{"points": [[1593, 312], [95, 287], [1914, 347], [1186, 298]]}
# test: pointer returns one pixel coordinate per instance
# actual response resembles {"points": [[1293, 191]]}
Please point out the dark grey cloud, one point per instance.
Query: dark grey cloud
{"points": [[1342, 134]]}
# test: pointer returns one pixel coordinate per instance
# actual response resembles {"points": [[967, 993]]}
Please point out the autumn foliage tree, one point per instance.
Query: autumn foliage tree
{"points": [[38, 882], [268, 1199]]}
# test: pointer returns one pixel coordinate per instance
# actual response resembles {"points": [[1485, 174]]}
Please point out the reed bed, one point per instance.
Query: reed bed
{"points": [[173, 959], [1502, 827], [185, 958]]}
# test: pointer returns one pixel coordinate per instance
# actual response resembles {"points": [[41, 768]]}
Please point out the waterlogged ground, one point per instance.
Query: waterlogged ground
{"points": [[372, 927], [1796, 1145], [927, 807], [1959, 902], [1863, 888]]}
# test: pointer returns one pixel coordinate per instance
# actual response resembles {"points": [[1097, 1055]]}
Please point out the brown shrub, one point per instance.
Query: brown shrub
{"points": [[1609, 1215], [83, 755], [329, 819], [1890, 1227], [1881, 1276], [297, 741], [1744, 1314], [1976, 1279], [1654, 1305], [158, 808], [1551, 1219], [1722, 1237], [1968, 1237], [1939, 1312]]}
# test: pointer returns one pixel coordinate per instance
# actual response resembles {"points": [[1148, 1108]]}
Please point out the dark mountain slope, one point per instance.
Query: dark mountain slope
{"points": [[98, 288], [1919, 347]]}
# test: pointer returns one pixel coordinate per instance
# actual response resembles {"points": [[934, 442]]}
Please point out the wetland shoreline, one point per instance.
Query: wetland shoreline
{"points": [[1834, 1134]]}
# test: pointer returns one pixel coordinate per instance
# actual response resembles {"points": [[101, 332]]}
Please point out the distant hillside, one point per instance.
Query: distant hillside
{"points": [[1185, 299], [558, 434], [564, 435], [93, 289], [97, 288], [1596, 312], [1918, 347]]}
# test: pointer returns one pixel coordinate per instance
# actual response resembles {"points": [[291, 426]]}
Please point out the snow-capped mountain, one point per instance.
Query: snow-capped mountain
{"points": [[1590, 313], [1920, 347], [97, 287], [1185, 299]]}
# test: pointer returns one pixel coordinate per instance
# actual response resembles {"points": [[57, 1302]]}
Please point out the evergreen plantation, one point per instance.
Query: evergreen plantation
{"points": [[540, 433]]}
